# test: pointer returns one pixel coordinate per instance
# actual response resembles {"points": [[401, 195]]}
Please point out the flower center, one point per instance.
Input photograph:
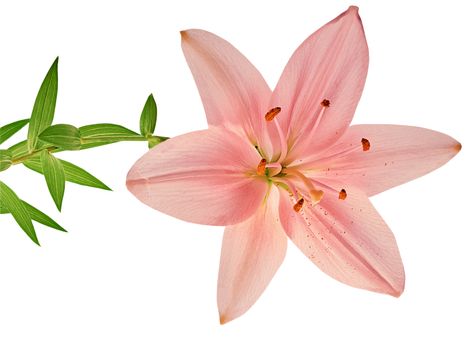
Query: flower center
{"points": [[301, 188]]}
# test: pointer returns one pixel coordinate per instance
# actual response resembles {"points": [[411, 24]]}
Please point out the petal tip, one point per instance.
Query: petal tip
{"points": [[184, 34], [353, 8], [396, 293], [223, 319], [458, 147], [397, 290]]}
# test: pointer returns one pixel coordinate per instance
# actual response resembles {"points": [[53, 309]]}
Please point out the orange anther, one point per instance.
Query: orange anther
{"points": [[365, 144], [297, 206], [342, 194], [272, 113], [261, 169]]}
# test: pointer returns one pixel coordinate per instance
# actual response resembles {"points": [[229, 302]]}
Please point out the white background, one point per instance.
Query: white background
{"points": [[128, 277]]}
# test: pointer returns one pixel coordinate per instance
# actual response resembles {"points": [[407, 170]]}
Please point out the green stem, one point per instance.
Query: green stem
{"points": [[21, 159], [84, 141]]}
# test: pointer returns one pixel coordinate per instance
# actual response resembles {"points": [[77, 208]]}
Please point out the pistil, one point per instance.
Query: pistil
{"points": [[312, 193]]}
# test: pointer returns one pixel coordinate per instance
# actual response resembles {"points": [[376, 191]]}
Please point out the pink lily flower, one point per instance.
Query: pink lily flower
{"points": [[286, 163]]}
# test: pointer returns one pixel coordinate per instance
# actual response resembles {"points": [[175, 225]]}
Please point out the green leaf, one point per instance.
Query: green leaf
{"points": [[44, 107], [15, 206], [73, 173], [9, 130], [147, 122], [105, 133], [42, 218], [5, 159], [54, 176], [62, 135], [36, 215]]}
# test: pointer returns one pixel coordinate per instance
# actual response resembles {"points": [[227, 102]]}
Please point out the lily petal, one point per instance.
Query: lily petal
{"points": [[202, 177], [252, 251], [397, 155], [348, 240], [332, 65], [233, 92]]}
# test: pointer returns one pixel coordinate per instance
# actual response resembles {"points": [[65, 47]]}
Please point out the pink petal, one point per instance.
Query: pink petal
{"points": [[348, 240], [202, 177], [233, 92], [397, 154], [330, 64], [252, 251]]}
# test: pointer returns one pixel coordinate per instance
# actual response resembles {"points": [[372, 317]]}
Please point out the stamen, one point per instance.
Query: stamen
{"points": [[365, 145], [325, 104], [354, 147], [261, 169], [298, 206], [342, 194], [270, 116], [272, 113]]}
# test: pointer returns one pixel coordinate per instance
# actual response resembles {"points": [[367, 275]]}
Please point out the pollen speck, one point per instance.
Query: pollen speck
{"points": [[272, 113], [325, 103], [365, 145], [298, 206], [261, 169], [342, 194]]}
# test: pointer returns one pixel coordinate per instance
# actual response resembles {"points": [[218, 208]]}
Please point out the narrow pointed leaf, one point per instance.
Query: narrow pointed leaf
{"points": [[15, 206], [36, 215], [42, 218], [44, 106], [147, 122], [54, 176], [73, 173], [107, 133], [9, 130], [62, 135], [5, 159]]}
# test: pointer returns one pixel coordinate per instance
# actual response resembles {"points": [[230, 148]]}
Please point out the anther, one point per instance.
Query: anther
{"points": [[272, 113], [261, 169], [365, 145], [342, 194], [298, 206], [325, 103]]}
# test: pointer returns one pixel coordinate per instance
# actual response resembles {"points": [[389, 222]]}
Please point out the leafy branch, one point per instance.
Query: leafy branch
{"points": [[44, 140]]}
